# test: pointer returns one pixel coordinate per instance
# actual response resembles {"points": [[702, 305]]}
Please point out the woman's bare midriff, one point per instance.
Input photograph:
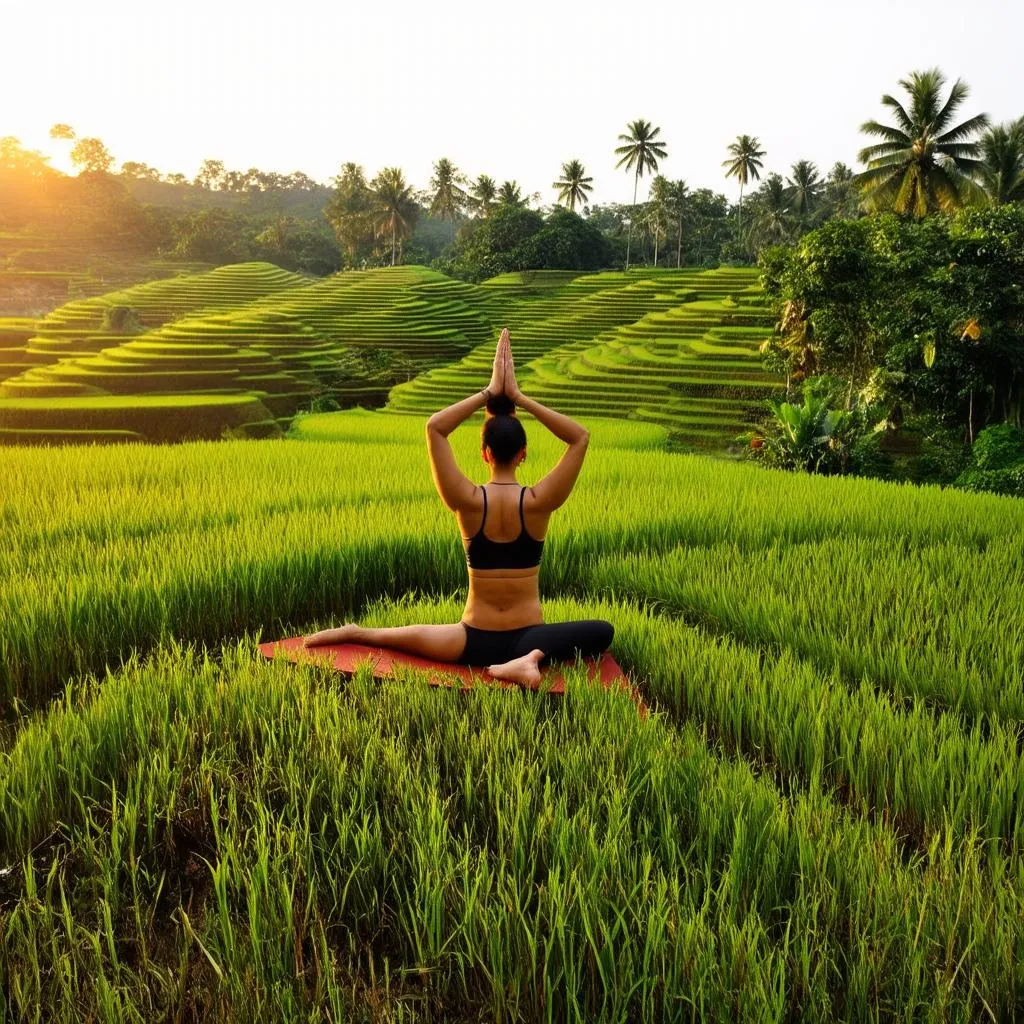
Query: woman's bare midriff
{"points": [[503, 598]]}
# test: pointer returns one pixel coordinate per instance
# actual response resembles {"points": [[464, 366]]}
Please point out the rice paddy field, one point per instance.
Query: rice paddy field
{"points": [[242, 348], [820, 820]]}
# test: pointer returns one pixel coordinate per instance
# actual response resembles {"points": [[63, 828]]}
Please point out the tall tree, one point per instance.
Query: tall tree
{"points": [[1002, 159], [350, 209], [678, 195], [91, 155], [210, 174], [139, 171], [482, 195], [805, 188], [771, 222], [233, 181], [659, 200], [573, 185], [926, 162], [509, 194], [841, 194], [708, 213], [394, 206], [743, 164], [641, 151], [448, 198]]}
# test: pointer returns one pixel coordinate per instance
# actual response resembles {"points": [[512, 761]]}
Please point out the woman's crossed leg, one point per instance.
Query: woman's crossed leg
{"points": [[534, 647], [437, 642], [548, 642]]}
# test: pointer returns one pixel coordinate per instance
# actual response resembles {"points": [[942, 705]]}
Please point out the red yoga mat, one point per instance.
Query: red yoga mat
{"points": [[345, 657]]}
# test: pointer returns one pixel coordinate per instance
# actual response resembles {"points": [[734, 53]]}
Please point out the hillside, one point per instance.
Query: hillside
{"points": [[247, 345], [675, 347]]}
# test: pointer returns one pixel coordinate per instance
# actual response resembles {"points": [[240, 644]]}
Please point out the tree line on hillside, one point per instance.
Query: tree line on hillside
{"points": [[925, 163]]}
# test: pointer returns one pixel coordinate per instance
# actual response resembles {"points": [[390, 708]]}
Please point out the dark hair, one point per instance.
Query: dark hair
{"points": [[502, 432]]}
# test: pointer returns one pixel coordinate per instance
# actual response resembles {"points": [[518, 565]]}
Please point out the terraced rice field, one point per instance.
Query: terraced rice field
{"points": [[41, 270], [245, 331], [821, 820], [674, 347]]}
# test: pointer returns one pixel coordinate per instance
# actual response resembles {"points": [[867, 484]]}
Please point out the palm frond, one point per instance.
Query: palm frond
{"points": [[895, 161], [905, 120], [957, 94], [959, 150], [884, 149], [881, 195], [971, 126], [948, 187], [967, 166], [884, 131]]}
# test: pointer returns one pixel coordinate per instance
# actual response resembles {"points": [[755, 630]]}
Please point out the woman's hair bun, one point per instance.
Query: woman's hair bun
{"points": [[501, 405]]}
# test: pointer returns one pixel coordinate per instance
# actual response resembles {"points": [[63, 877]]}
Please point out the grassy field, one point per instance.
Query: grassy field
{"points": [[821, 820], [673, 347]]}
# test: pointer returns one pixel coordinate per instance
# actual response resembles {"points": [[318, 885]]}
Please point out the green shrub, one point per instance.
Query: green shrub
{"points": [[998, 481], [324, 403], [121, 320], [867, 458], [998, 447], [944, 455], [998, 462]]}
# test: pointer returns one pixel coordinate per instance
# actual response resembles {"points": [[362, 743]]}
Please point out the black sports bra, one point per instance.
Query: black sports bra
{"points": [[521, 553]]}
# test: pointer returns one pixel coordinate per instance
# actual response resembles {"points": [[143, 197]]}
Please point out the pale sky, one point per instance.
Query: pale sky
{"points": [[510, 90]]}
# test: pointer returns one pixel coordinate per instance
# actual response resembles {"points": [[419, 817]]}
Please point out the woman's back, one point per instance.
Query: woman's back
{"points": [[501, 543], [522, 551]]}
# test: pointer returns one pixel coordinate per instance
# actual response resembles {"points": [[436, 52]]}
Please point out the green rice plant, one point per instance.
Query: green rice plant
{"points": [[820, 821], [501, 854]]}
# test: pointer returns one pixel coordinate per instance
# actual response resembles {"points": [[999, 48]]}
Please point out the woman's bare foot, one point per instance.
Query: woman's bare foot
{"points": [[340, 635], [519, 670]]}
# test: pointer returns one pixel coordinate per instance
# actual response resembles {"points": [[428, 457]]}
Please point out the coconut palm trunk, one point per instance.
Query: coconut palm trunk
{"points": [[629, 233]]}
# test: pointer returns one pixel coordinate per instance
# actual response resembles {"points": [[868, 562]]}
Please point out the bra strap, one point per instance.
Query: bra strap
{"points": [[521, 519], [483, 491]]}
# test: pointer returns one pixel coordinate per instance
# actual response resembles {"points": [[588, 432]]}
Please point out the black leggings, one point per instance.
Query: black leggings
{"points": [[560, 641]]}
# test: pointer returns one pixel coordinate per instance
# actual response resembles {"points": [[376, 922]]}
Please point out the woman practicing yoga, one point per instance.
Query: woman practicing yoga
{"points": [[502, 626]]}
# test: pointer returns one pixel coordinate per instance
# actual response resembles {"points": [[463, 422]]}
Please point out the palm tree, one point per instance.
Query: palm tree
{"points": [[1002, 159], [805, 186], [573, 186], [395, 209], [925, 163], [640, 152], [509, 194], [841, 194], [350, 209], [658, 209], [482, 194], [743, 164], [772, 222], [448, 198], [678, 194]]}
